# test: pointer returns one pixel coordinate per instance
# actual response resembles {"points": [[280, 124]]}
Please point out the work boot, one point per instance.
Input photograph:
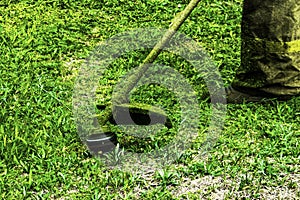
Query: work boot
{"points": [[234, 95]]}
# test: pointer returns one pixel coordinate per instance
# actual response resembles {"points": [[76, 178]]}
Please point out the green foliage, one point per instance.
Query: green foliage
{"points": [[41, 155]]}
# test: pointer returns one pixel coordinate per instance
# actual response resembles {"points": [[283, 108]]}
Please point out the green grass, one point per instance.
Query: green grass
{"points": [[41, 155]]}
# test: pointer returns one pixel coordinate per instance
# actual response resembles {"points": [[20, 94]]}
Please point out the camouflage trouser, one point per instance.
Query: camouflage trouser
{"points": [[270, 57]]}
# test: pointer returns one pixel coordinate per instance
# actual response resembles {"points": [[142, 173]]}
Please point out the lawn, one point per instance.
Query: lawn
{"points": [[43, 44]]}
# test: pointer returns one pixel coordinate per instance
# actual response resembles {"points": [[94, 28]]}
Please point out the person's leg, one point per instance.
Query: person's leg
{"points": [[270, 54]]}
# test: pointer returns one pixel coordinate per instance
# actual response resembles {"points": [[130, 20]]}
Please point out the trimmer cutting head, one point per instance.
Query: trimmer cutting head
{"points": [[126, 114]]}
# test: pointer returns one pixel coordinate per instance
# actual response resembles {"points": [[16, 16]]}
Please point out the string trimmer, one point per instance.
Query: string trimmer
{"points": [[104, 142]]}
